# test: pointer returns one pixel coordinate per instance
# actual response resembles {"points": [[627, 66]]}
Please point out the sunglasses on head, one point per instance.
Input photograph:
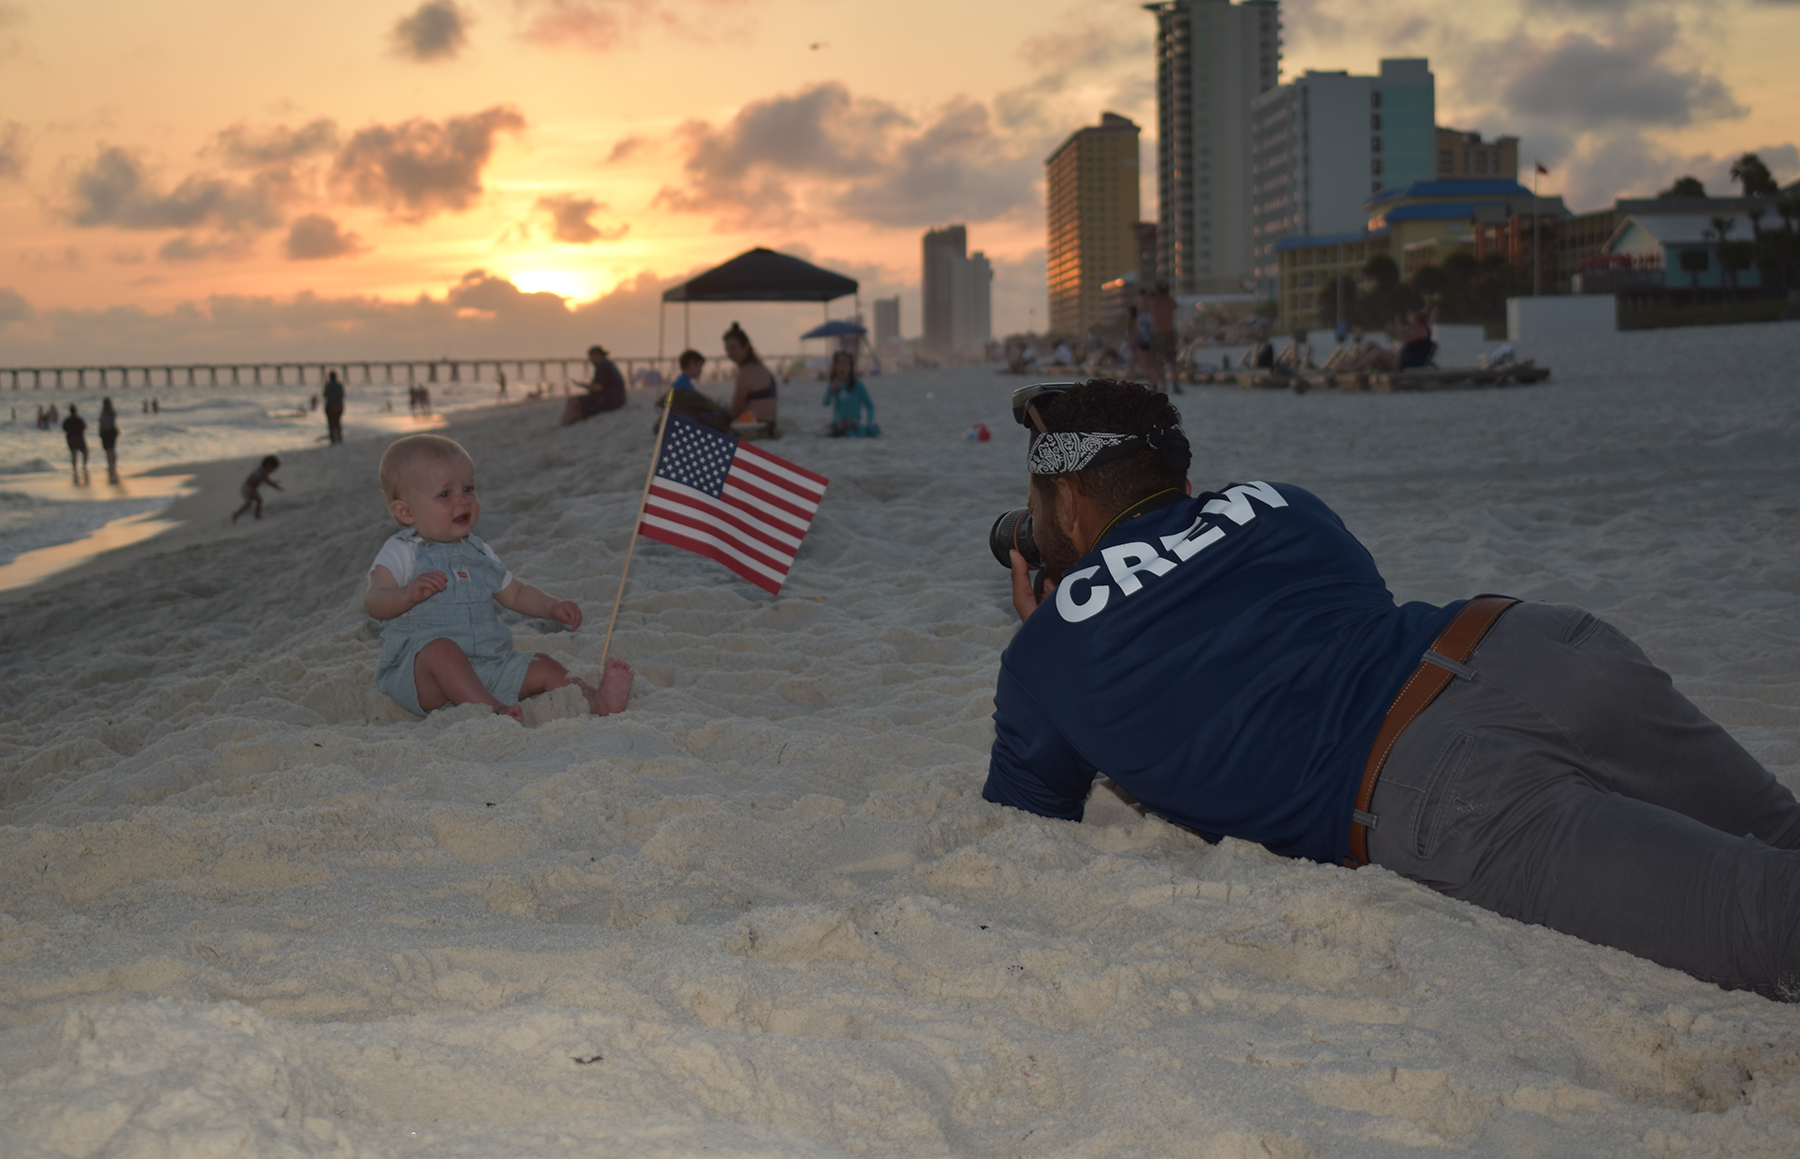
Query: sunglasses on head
{"points": [[1029, 403]]}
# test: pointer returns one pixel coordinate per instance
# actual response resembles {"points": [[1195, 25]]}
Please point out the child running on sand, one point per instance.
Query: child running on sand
{"points": [[252, 488], [435, 585]]}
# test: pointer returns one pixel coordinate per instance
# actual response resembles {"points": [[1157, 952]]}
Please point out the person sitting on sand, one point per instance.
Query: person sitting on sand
{"points": [[1237, 664], [849, 399], [606, 390], [434, 585], [685, 400], [75, 434], [1416, 346], [252, 488], [754, 395]]}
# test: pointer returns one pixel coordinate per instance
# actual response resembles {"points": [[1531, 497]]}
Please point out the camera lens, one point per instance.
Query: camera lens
{"points": [[1012, 531]]}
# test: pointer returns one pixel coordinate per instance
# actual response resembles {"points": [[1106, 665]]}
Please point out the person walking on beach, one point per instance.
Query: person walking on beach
{"points": [[334, 408], [109, 438], [754, 395], [434, 586], [75, 432], [849, 399], [252, 488]]}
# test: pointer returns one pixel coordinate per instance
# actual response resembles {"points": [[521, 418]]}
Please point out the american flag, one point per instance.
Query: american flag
{"points": [[730, 501]]}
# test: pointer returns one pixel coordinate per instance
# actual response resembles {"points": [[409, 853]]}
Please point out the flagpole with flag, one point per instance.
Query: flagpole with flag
{"points": [[715, 495], [1541, 172], [662, 428]]}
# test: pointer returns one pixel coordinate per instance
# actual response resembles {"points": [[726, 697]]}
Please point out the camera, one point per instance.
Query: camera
{"points": [[1012, 531]]}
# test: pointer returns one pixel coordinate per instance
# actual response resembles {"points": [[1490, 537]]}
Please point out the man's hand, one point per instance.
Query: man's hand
{"points": [[568, 612], [426, 586], [1024, 599]]}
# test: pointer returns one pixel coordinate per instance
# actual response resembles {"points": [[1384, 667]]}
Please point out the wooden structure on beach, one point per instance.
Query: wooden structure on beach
{"points": [[1380, 381]]}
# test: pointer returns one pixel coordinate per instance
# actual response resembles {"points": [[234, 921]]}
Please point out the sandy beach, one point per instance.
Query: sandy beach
{"points": [[249, 907]]}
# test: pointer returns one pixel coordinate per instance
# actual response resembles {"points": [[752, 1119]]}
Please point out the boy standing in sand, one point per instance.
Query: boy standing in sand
{"points": [[252, 488], [434, 584]]}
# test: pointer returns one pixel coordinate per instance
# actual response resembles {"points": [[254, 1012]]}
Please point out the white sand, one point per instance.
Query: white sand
{"points": [[249, 908]]}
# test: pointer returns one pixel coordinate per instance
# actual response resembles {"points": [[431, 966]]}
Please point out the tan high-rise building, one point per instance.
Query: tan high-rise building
{"points": [[1093, 196]]}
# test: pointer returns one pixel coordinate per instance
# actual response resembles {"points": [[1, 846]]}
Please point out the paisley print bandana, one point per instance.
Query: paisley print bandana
{"points": [[1063, 452]]}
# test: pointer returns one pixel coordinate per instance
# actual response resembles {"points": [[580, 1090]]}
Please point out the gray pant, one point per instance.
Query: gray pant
{"points": [[1562, 780]]}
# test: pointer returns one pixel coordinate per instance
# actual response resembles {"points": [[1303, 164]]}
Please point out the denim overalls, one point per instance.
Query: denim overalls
{"points": [[463, 612]]}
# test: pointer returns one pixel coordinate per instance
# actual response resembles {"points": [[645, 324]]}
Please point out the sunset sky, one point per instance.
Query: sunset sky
{"points": [[201, 179]]}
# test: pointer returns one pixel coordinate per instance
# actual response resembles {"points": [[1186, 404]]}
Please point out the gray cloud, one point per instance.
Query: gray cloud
{"points": [[187, 248], [957, 169], [1621, 81], [316, 237], [570, 219], [13, 153], [435, 30], [14, 307], [824, 149], [116, 190], [419, 168], [626, 148], [605, 25], [245, 148]]}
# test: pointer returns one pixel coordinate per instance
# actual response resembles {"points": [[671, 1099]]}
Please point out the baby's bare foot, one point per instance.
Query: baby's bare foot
{"points": [[614, 690], [517, 712]]}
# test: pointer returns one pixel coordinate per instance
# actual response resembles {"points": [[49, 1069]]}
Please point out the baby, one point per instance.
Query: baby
{"points": [[435, 585]]}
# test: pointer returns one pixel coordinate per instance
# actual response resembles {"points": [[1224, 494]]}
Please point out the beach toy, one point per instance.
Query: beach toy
{"points": [[979, 433]]}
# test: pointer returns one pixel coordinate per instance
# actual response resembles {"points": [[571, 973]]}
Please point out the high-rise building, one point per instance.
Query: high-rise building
{"points": [[1463, 155], [887, 321], [945, 252], [1403, 124], [1326, 141], [1092, 181], [957, 293], [975, 305], [1213, 58]]}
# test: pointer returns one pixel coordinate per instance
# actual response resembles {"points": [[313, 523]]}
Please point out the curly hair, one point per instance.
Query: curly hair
{"points": [[1108, 404]]}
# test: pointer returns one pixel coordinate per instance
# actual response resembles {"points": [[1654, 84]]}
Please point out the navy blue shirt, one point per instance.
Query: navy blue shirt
{"points": [[1227, 659]]}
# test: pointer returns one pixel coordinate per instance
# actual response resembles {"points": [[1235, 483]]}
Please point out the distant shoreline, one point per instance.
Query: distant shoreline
{"points": [[200, 517]]}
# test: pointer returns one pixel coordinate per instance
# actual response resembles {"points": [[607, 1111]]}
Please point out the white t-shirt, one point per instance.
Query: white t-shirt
{"points": [[400, 554]]}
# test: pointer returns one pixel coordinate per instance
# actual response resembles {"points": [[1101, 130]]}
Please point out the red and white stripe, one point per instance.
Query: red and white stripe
{"points": [[754, 527]]}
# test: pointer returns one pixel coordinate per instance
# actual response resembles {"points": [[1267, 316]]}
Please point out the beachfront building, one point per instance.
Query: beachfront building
{"points": [[1416, 225], [1091, 218], [1213, 59], [1465, 156], [1321, 144], [1686, 251], [957, 294]]}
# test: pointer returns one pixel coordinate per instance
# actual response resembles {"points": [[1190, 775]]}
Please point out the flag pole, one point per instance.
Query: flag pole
{"points": [[662, 428]]}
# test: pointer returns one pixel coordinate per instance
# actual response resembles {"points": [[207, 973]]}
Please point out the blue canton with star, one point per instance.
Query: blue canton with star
{"points": [[696, 456]]}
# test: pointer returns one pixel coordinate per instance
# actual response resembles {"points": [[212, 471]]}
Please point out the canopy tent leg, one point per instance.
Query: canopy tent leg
{"points": [[687, 337], [662, 312]]}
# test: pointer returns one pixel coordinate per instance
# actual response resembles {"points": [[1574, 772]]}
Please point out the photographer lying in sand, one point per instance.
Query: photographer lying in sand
{"points": [[435, 585], [1236, 662]]}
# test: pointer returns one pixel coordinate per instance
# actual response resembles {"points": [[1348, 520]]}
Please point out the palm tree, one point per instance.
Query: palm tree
{"points": [[1750, 172]]}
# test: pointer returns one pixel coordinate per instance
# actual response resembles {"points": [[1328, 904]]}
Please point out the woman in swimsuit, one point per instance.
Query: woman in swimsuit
{"points": [[755, 391]]}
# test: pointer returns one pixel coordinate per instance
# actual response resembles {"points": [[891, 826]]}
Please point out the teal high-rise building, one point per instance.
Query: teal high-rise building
{"points": [[1402, 124]]}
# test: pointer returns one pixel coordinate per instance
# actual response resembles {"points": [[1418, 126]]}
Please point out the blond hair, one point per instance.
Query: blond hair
{"points": [[402, 454]]}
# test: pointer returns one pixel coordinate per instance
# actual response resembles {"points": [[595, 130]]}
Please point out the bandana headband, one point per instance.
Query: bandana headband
{"points": [[1065, 452]]}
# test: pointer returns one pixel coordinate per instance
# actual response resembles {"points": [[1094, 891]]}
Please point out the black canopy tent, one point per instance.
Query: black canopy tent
{"points": [[758, 275]]}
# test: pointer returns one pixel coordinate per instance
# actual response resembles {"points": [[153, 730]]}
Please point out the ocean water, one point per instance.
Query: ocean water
{"points": [[49, 521]]}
